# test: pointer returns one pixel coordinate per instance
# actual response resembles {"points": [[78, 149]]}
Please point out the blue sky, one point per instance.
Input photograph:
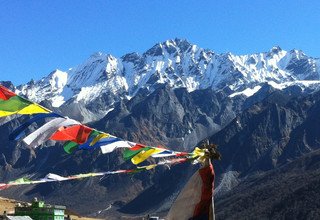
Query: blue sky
{"points": [[37, 37]]}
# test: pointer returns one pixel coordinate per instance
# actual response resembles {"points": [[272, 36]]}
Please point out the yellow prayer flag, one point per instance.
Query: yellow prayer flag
{"points": [[5, 113], [200, 154], [197, 152], [143, 155], [150, 167], [98, 137], [32, 109]]}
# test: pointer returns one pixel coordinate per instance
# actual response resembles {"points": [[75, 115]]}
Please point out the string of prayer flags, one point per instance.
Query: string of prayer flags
{"points": [[75, 135], [51, 177], [78, 136]]}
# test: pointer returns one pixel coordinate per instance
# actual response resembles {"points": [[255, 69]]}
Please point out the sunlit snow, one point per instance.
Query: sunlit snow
{"points": [[189, 66], [247, 92]]}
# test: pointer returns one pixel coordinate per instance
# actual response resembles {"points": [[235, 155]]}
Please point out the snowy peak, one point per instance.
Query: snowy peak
{"points": [[275, 50], [97, 68], [177, 63], [48, 88], [131, 57], [169, 47], [57, 80], [302, 66]]}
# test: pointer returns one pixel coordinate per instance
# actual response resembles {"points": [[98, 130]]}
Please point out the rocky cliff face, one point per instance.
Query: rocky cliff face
{"points": [[269, 161], [288, 192]]}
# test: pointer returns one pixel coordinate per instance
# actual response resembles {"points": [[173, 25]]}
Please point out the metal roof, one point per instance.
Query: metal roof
{"points": [[18, 217]]}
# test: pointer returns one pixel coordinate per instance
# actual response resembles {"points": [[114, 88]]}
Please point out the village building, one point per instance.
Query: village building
{"points": [[41, 211]]}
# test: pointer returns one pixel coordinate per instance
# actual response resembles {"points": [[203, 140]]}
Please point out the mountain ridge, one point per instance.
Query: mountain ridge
{"points": [[176, 63]]}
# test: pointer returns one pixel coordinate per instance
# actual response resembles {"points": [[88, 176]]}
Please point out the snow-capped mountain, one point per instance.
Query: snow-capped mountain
{"points": [[255, 107], [176, 63]]}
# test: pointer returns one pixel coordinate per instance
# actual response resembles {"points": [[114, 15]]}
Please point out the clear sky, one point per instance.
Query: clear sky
{"points": [[37, 37]]}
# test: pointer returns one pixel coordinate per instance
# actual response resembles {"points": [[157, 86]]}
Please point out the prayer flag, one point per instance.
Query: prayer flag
{"points": [[99, 137], [18, 132], [131, 152], [145, 154], [195, 201], [76, 133], [107, 145], [43, 133], [70, 146], [10, 104], [5, 93]]}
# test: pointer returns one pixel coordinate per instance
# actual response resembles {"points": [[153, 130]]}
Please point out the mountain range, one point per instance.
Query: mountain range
{"points": [[260, 108]]}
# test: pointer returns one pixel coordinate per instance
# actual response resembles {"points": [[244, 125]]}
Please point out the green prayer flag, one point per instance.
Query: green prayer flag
{"points": [[70, 146], [95, 133], [128, 154], [14, 104], [22, 180]]}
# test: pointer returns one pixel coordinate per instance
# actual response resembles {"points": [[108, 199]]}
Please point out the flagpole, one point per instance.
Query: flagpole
{"points": [[212, 208]]}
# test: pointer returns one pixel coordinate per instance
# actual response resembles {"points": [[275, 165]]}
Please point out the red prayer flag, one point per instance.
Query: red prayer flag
{"points": [[5, 93], [181, 154], [75, 133], [137, 147]]}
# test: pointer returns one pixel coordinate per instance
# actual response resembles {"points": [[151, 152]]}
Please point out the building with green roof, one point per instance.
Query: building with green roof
{"points": [[41, 211]]}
